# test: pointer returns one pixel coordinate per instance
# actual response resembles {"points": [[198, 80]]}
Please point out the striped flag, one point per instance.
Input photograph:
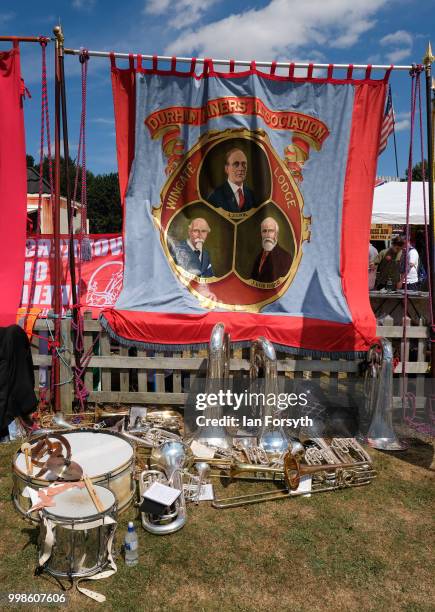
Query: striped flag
{"points": [[387, 123]]}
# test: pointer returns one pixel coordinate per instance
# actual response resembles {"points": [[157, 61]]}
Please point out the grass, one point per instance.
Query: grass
{"points": [[360, 549]]}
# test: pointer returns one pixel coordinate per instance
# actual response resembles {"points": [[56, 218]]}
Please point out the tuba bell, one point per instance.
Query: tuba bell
{"points": [[381, 434], [263, 359], [217, 378]]}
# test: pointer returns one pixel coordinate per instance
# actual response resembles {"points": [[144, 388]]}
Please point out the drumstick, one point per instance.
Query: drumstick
{"points": [[92, 493], [25, 448]]}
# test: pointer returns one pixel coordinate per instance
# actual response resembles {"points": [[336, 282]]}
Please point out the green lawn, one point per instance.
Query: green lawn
{"points": [[368, 548]]}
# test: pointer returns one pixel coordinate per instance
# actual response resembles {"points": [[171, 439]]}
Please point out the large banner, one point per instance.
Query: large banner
{"points": [[249, 202], [12, 184], [99, 281]]}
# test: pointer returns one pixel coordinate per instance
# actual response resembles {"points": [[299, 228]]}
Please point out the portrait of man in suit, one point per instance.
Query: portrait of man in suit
{"points": [[190, 253], [272, 262], [234, 195]]}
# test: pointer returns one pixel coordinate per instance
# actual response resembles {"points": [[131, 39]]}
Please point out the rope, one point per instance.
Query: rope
{"points": [[426, 232], [415, 78], [81, 392]]}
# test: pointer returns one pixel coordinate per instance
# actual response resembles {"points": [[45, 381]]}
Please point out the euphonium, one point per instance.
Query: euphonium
{"points": [[167, 463]]}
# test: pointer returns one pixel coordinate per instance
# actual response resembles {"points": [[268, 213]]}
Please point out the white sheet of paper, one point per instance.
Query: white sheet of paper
{"points": [[162, 494], [207, 493], [201, 451], [304, 486]]}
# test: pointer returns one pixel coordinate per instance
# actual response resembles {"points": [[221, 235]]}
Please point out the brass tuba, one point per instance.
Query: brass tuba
{"points": [[263, 359], [218, 366], [381, 434]]}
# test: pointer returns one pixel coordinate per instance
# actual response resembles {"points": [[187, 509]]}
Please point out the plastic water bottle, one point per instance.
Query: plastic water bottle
{"points": [[389, 285], [131, 545]]}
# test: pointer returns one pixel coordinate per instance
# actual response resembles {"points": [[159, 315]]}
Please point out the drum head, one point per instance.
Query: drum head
{"points": [[77, 504], [98, 453]]}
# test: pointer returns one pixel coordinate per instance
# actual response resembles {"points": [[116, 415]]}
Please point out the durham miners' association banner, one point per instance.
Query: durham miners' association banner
{"points": [[248, 202]]}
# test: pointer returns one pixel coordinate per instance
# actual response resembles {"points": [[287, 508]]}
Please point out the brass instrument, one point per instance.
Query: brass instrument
{"points": [[326, 477], [218, 366], [263, 359], [167, 463], [381, 434]]}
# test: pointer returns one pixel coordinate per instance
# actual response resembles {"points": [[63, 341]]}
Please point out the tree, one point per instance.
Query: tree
{"points": [[30, 161], [417, 171], [104, 204]]}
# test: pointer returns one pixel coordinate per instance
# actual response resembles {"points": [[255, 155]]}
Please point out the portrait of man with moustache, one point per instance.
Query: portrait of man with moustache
{"points": [[272, 262]]}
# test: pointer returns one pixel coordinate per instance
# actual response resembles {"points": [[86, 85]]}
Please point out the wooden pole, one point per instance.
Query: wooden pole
{"points": [[57, 30], [428, 59]]}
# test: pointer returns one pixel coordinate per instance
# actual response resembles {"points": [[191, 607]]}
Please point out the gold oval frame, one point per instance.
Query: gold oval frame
{"points": [[215, 137]]}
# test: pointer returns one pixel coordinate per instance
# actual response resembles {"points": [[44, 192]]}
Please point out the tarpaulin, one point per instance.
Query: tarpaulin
{"points": [[249, 202], [101, 277], [13, 185]]}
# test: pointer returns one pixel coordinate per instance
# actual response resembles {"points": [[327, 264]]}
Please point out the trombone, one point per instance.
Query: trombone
{"points": [[345, 475]]}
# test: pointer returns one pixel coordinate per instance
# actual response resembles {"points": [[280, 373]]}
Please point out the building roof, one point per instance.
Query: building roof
{"points": [[33, 182]]}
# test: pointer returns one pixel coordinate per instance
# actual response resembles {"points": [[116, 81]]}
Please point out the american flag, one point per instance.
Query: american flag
{"points": [[387, 122]]}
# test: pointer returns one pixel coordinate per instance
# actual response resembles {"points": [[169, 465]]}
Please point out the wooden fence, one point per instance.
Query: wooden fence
{"points": [[119, 375]]}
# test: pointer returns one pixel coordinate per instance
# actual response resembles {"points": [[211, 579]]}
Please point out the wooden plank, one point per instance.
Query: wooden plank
{"points": [[106, 375], [65, 371], [396, 331], [41, 360], [413, 367], [142, 376], [124, 375], [176, 377], [194, 363], [160, 376], [87, 343], [131, 397]]}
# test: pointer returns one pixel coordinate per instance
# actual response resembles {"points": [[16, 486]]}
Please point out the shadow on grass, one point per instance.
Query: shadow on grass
{"points": [[419, 453]]}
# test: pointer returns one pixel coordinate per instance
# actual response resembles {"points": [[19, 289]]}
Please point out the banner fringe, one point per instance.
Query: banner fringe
{"points": [[291, 350]]}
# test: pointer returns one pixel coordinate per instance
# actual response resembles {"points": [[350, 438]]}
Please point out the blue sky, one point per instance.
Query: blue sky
{"points": [[336, 31]]}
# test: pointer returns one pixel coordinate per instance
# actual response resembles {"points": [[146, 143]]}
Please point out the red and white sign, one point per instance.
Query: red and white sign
{"points": [[99, 281]]}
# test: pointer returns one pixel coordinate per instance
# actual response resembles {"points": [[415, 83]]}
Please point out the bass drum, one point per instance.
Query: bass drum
{"points": [[106, 457]]}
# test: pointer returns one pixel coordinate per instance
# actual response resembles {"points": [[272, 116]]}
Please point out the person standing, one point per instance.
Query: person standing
{"points": [[410, 277], [373, 252], [388, 266]]}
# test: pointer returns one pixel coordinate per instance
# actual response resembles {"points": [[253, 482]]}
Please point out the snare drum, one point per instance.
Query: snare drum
{"points": [[75, 539], [106, 457]]}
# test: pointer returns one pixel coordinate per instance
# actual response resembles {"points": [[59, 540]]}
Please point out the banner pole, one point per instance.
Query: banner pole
{"points": [[57, 30], [69, 206], [427, 61]]}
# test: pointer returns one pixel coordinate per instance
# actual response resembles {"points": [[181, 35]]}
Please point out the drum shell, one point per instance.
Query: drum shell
{"points": [[80, 545], [120, 480]]}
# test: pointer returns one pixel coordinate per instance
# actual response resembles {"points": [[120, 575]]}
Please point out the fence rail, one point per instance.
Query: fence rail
{"points": [[119, 375]]}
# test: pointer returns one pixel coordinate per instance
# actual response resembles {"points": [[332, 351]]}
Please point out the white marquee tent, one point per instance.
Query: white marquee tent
{"points": [[389, 204]]}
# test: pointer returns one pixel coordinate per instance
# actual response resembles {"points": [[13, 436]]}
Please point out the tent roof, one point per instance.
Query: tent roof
{"points": [[389, 203]]}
